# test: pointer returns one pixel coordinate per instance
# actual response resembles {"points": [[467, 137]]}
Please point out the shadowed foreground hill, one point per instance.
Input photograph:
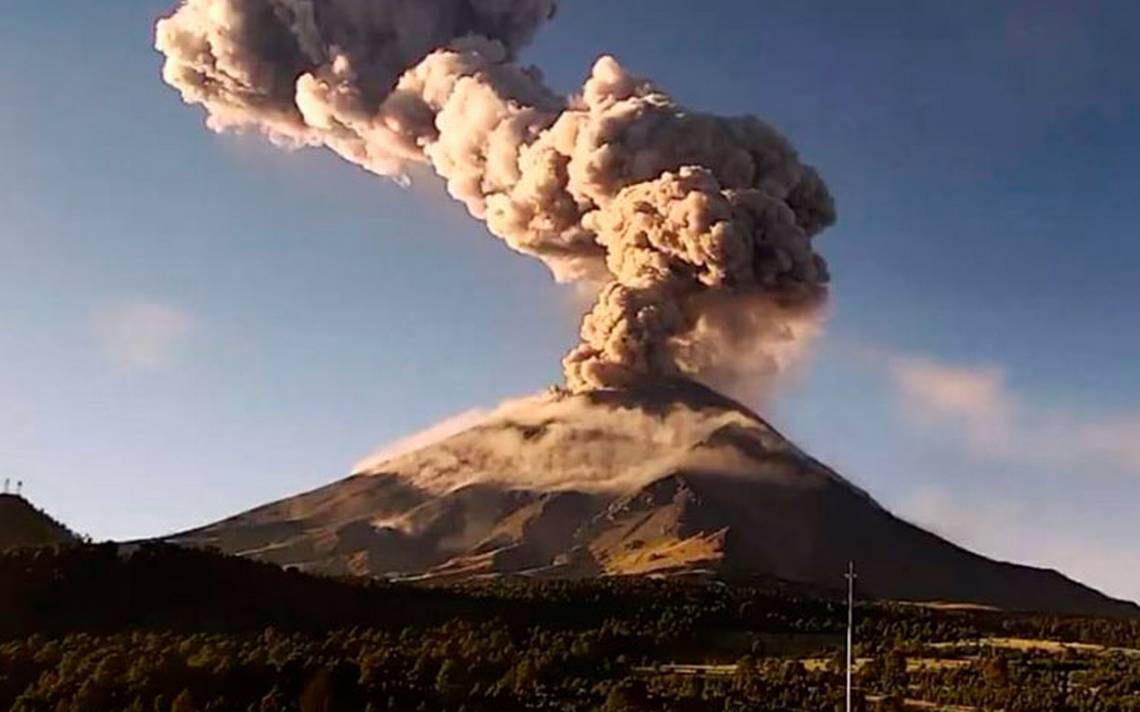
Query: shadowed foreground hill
{"points": [[672, 479], [103, 588], [21, 524]]}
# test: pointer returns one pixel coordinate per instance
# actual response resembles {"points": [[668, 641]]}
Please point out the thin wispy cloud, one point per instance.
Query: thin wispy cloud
{"points": [[143, 334], [977, 405], [445, 428]]}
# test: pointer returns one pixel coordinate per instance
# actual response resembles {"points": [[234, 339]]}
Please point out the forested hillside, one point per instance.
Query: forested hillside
{"points": [[21, 524], [163, 628]]}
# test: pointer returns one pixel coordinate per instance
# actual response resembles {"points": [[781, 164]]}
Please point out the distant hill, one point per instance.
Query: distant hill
{"points": [[110, 587], [21, 524], [663, 480]]}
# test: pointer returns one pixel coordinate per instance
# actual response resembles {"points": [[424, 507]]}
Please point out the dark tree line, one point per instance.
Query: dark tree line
{"points": [[161, 628]]}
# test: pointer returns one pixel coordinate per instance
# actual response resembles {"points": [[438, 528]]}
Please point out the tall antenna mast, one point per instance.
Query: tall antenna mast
{"points": [[850, 576]]}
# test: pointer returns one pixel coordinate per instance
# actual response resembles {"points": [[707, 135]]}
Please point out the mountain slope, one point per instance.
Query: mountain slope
{"points": [[669, 479], [21, 524]]}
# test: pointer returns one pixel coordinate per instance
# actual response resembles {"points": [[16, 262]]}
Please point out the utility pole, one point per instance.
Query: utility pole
{"points": [[850, 576]]}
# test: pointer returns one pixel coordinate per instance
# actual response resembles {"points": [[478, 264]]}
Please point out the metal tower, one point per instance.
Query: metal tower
{"points": [[850, 576]]}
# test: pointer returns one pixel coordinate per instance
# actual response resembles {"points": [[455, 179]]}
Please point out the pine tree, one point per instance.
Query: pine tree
{"points": [[183, 703]]}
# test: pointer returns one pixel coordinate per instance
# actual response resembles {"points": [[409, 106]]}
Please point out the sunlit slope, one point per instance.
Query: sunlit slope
{"points": [[664, 480]]}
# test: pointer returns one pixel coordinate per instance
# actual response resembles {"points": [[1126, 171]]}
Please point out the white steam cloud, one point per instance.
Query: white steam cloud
{"points": [[697, 229]]}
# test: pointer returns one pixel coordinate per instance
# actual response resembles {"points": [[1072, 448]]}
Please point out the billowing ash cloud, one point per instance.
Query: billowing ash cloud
{"points": [[697, 230], [312, 72]]}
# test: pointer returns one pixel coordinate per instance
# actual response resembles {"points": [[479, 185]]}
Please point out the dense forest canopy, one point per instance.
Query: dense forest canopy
{"points": [[156, 627]]}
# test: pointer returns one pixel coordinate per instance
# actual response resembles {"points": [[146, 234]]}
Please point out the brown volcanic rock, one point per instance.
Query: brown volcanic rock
{"points": [[21, 524], [673, 478]]}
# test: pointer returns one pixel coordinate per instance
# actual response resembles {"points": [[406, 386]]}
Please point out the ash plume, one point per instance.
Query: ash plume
{"points": [[567, 442], [696, 230]]}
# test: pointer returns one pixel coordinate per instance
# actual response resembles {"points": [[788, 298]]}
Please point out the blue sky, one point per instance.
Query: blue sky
{"points": [[193, 324]]}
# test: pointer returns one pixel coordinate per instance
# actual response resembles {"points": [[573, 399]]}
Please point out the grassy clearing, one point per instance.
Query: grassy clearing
{"points": [[1031, 644]]}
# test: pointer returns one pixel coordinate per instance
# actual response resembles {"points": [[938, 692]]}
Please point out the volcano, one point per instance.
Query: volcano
{"points": [[672, 479]]}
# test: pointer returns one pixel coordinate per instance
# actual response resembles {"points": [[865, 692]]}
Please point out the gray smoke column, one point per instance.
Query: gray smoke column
{"points": [[696, 230]]}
